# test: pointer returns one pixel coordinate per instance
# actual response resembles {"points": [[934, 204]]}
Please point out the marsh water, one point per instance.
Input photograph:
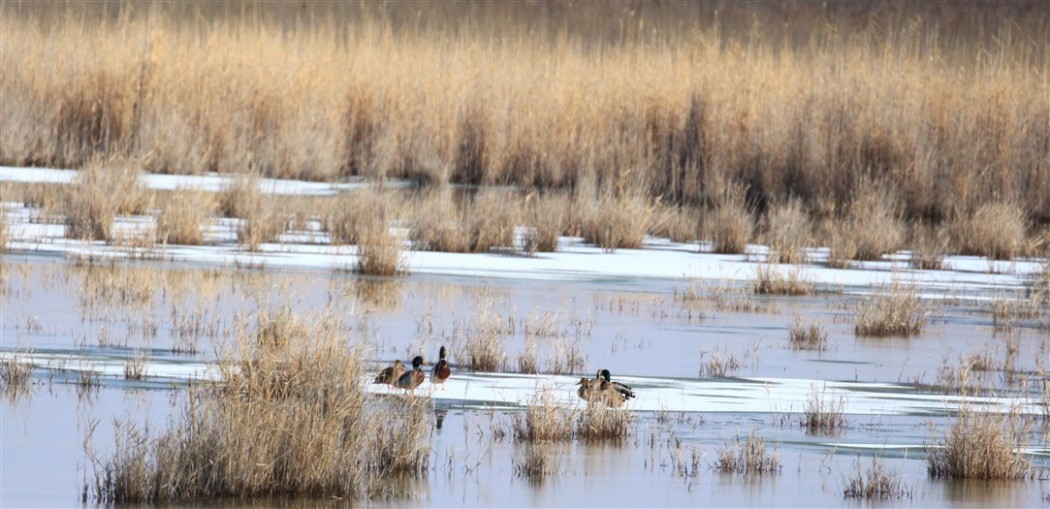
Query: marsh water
{"points": [[74, 320]]}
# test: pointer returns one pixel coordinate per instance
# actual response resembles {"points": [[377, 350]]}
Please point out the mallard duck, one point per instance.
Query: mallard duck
{"points": [[412, 379], [594, 390], [441, 371], [390, 374], [606, 378]]}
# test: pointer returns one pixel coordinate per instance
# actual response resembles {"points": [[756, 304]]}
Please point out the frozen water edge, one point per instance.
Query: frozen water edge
{"points": [[511, 390]]}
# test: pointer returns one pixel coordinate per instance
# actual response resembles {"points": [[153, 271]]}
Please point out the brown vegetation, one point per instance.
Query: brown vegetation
{"points": [[807, 337], [603, 423], [101, 192], [750, 457], [770, 281], [686, 103], [788, 233], [14, 374], [896, 311], [996, 230], [183, 215], [824, 415], [289, 416], [981, 445], [876, 483], [544, 419]]}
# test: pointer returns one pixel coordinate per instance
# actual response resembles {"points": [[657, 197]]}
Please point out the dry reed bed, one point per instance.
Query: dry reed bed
{"points": [[288, 417], [684, 103]]}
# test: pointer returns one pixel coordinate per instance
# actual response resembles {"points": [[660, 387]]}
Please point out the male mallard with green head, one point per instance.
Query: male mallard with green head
{"points": [[441, 370], [606, 381], [412, 379]]}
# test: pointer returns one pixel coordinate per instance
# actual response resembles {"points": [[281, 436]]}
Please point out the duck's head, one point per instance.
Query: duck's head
{"points": [[586, 382], [417, 362], [398, 363], [441, 353], [604, 373]]}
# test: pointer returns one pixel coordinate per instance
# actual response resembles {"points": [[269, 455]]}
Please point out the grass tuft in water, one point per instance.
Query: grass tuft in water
{"points": [[288, 417], [897, 311], [749, 457], [981, 445], [876, 483]]}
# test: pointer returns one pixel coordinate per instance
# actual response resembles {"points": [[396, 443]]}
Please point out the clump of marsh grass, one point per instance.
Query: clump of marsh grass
{"points": [[241, 196], [135, 367], [87, 383], [770, 281], [537, 462], [600, 423], [181, 218], [289, 416], [352, 213], [379, 252], [528, 358], [824, 415], [613, 220], [928, 248], [996, 230], [874, 220], [981, 445], [789, 231], [897, 311], [719, 364], [262, 225], [749, 457], [876, 483], [547, 217], [98, 194], [14, 375], [544, 420], [810, 336], [484, 341], [730, 225]]}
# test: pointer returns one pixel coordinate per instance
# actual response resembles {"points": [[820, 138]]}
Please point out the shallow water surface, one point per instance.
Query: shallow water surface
{"points": [[69, 319]]}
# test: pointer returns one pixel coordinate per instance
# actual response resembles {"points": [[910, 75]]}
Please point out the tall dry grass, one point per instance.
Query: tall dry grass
{"points": [[895, 311], [789, 231], [100, 192], [876, 482], [981, 445], [996, 230], [181, 219], [544, 420], [673, 100], [288, 417]]}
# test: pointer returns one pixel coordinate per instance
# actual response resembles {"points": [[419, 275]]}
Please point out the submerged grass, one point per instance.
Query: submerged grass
{"points": [[288, 417]]}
